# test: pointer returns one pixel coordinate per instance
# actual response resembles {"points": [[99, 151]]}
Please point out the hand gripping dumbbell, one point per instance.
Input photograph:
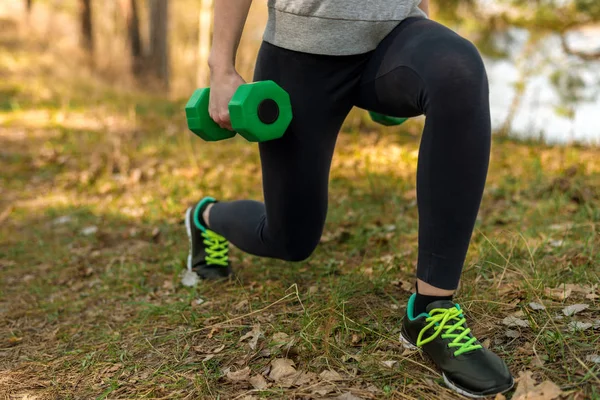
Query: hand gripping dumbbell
{"points": [[259, 112], [386, 119]]}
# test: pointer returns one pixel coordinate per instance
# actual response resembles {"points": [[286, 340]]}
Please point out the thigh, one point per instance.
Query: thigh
{"points": [[296, 167], [406, 67]]}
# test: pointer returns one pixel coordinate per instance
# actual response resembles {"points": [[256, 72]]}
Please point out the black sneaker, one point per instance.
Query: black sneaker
{"points": [[209, 251], [442, 333]]}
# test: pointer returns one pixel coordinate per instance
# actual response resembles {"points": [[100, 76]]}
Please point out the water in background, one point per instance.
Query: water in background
{"points": [[537, 117]]}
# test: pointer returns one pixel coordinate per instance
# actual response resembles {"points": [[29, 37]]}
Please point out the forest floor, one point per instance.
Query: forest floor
{"points": [[94, 182]]}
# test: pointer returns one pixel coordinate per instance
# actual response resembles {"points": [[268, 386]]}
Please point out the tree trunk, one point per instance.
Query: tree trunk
{"points": [[130, 11], [525, 71], [159, 49], [87, 38], [29, 5], [205, 25]]}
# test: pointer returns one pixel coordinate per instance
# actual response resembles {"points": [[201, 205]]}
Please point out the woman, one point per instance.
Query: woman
{"points": [[380, 55]]}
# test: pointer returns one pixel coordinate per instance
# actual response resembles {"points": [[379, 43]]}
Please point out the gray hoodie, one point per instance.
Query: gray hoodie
{"points": [[335, 27]]}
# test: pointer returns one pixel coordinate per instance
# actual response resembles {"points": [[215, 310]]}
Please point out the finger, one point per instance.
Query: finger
{"points": [[225, 125], [223, 120], [218, 116]]}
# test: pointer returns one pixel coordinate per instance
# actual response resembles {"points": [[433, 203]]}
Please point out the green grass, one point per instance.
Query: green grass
{"points": [[104, 315]]}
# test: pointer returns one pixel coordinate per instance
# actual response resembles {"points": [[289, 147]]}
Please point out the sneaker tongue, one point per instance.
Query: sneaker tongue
{"points": [[440, 304]]}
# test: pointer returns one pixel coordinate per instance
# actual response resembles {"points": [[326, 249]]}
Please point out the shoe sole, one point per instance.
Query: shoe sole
{"points": [[188, 229], [407, 344]]}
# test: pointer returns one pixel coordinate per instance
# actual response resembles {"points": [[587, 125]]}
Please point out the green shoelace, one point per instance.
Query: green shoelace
{"points": [[442, 319], [216, 248]]}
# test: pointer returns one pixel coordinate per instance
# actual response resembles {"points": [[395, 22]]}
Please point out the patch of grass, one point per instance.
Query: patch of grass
{"points": [[94, 185]]}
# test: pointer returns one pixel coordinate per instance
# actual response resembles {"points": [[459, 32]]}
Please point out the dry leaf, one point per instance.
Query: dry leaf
{"points": [[264, 353], [198, 349], [259, 382], [13, 340], [372, 389], [197, 302], [560, 227], [299, 378], [322, 390], [511, 333], [281, 367], [89, 230], [253, 335], [574, 309], [506, 289], [580, 288], [387, 258], [219, 349], [407, 286], [389, 363], [536, 306], [241, 305], [511, 320], [330, 375], [239, 375], [595, 358], [212, 332], [558, 293], [114, 368], [500, 396], [579, 326], [208, 358], [528, 390], [513, 304], [280, 339], [306, 378], [350, 357]]}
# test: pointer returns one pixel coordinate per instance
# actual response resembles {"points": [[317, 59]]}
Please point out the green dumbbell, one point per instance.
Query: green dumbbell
{"points": [[259, 111], [386, 119]]}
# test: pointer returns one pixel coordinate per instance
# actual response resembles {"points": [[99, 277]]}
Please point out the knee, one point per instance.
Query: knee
{"points": [[298, 251], [459, 72], [296, 248]]}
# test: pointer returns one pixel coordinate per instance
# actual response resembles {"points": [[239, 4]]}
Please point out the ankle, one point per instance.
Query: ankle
{"points": [[426, 289], [427, 294], [206, 215]]}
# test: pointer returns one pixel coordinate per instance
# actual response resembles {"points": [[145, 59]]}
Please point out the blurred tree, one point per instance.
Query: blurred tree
{"points": [[494, 25], [87, 38], [544, 17], [204, 38], [159, 49], [130, 11], [28, 5]]}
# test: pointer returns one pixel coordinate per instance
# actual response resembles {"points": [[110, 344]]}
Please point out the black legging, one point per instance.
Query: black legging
{"points": [[421, 67]]}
